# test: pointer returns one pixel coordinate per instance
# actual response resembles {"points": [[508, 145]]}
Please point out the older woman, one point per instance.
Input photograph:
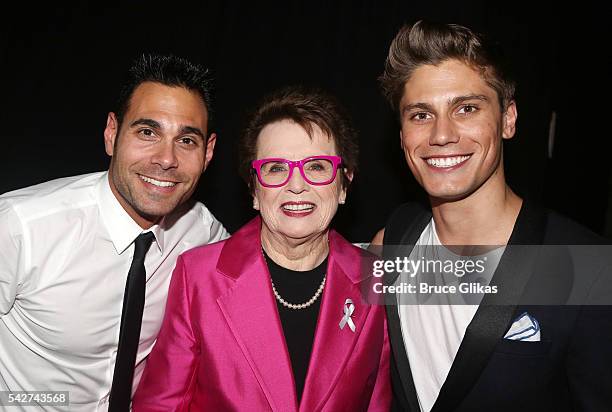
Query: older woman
{"points": [[272, 318]]}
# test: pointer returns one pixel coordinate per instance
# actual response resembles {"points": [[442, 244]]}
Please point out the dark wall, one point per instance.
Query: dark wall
{"points": [[62, 67]]}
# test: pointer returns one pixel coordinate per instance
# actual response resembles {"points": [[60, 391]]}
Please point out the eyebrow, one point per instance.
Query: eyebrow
{"points": [[461, 99], [154, 124], [146, 122], [421, 106], [453, 102], [192, 130]]}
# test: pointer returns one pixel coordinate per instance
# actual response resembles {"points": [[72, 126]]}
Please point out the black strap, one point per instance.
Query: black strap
{"points": [[131, 321]]}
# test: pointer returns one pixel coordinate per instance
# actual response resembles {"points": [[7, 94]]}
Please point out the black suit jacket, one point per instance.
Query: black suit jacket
{"points": [[570, 369]]}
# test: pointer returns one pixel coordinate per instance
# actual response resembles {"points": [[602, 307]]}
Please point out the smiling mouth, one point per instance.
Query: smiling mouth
{"points": [[298, 206], [158, 183], [447, 161]]}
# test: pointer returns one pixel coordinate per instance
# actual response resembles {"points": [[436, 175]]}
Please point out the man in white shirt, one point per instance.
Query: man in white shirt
{"points": [[66, 246], [456, 106]]}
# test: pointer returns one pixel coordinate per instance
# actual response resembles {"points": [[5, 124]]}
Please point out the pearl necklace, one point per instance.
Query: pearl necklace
{"points": [[297, 306]]}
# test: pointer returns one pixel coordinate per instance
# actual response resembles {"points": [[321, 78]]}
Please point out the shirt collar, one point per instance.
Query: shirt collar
{"points": [[123, 230]]}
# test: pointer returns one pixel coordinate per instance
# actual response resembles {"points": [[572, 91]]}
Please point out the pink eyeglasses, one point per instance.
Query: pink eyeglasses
{"points": [[316, 170]]}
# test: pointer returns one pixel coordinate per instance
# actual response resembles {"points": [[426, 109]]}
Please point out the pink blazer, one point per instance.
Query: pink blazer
{"points": [[221, 346]]}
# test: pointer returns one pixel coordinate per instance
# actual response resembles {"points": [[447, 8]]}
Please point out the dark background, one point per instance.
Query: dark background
{"points": [[62, 68]]}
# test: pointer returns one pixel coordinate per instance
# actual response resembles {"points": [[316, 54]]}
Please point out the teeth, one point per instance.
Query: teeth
{"points": [[159, 183], [446, 161], [298, 207]]}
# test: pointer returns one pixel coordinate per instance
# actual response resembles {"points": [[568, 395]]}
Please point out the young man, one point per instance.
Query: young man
{"points": [[71, 318], [456, 106]]}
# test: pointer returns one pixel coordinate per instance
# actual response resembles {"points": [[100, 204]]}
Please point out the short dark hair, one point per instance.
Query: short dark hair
{"points": [[305, 107], [168, 70], [426, 43]]}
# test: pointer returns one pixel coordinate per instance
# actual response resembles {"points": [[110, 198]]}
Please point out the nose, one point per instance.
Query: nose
{"points": [[165, 155], [443, 132], [296, 183]]}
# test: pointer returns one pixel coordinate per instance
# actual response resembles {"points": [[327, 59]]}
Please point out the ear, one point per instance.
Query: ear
{"points": [[110, 133], [210, 148], [349, 177], [510, 116]]}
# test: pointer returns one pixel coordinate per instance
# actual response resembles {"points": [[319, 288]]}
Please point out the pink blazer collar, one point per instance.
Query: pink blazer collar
{"points": [[250, 310], [243, 249]]}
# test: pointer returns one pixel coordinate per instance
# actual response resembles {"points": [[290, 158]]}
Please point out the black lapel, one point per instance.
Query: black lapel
{"points": [[406, 232], [495, 312]]}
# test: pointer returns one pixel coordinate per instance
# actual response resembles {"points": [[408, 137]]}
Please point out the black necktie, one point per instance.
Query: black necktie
{"points": [[131, 321]]}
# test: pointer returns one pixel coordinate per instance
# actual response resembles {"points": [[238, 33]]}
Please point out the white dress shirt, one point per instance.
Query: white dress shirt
{"points": [[65, 250], [432, 333]]}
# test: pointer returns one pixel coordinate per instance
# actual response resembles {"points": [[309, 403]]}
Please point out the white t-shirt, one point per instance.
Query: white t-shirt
{"points": [[432, 333]]}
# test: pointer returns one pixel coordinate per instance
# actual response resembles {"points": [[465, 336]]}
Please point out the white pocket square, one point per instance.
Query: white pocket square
{"points": [[525, 328]]}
